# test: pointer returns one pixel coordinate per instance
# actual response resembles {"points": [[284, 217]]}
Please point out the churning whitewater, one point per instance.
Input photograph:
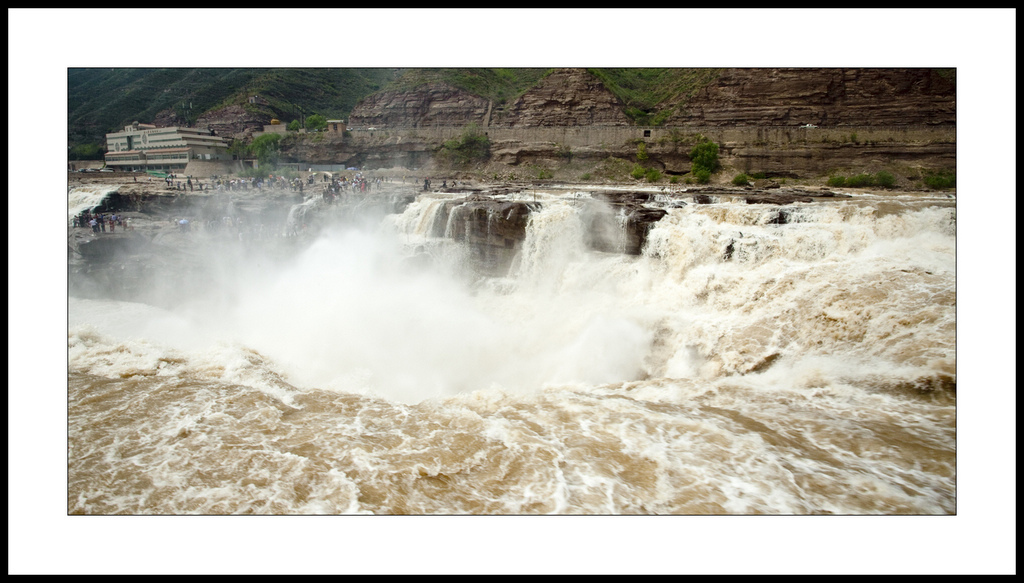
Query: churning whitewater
{"points": [[741, 364]]}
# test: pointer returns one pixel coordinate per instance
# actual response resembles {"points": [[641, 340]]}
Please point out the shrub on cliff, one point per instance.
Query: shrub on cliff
{"points": [[316, 122], [860, 181], [472, 146], [883, 179], [940, 179], [704, 160]]}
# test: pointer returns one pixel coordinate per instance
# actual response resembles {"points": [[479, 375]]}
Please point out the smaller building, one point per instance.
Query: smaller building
{"points": [[336, 126]]}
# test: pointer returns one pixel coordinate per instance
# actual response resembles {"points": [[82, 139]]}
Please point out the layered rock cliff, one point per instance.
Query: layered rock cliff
{"points": [[823, 97], [864, 119], [430, 105], [735, 97], [567, 97]]}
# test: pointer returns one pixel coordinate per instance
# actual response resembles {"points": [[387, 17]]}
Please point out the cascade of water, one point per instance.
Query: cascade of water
{"points": [[87, 197]]}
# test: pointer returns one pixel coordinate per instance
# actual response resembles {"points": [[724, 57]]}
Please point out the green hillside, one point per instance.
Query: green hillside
{"points": [[102, 100], [105, 100], [498, 85]]}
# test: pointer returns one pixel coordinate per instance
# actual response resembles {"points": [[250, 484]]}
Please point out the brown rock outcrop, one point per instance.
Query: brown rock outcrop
{"points": [[232, 121], [822, 97], [566, 97], [493, 230], [430, 105]]}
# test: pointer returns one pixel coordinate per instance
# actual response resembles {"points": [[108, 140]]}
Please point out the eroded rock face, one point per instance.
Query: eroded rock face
{"points": [[824, 97], [492, 230], [232, 121], [430, 105], [567, 97]]}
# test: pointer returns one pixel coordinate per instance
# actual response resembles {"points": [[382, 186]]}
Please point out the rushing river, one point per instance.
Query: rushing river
{"points": [[738, 366]]}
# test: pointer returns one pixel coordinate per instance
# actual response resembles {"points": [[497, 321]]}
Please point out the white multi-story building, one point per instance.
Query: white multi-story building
{"points": [[143, 147]]}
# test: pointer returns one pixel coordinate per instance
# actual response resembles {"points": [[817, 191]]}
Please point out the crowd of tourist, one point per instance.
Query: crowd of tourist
{"points": [[99, 222]]}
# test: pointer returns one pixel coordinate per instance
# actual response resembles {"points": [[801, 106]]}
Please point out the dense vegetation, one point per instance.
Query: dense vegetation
{"points": [[498, 85], [704, 160], [105, 100], [882, 179], [940, 179]]}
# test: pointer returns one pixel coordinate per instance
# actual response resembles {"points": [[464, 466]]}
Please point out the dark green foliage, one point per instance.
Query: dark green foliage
{"points": [[85, 152], [316, 122], [859, 181], [704, 158], [885, 179], [741, 180], [940, 179], [104, 100], [881, 179], [498, 85], [641, 152], [265, 148]]}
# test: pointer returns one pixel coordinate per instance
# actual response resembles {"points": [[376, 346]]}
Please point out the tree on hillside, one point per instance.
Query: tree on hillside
{"points": [[266, 148], [316, 122], [704, 160]]}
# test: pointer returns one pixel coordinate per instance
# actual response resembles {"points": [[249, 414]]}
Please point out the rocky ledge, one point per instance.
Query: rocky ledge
{"points": [[489, 220]]}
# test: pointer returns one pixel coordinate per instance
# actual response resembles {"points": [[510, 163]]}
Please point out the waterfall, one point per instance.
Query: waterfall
{"points": [[86, 197]]}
